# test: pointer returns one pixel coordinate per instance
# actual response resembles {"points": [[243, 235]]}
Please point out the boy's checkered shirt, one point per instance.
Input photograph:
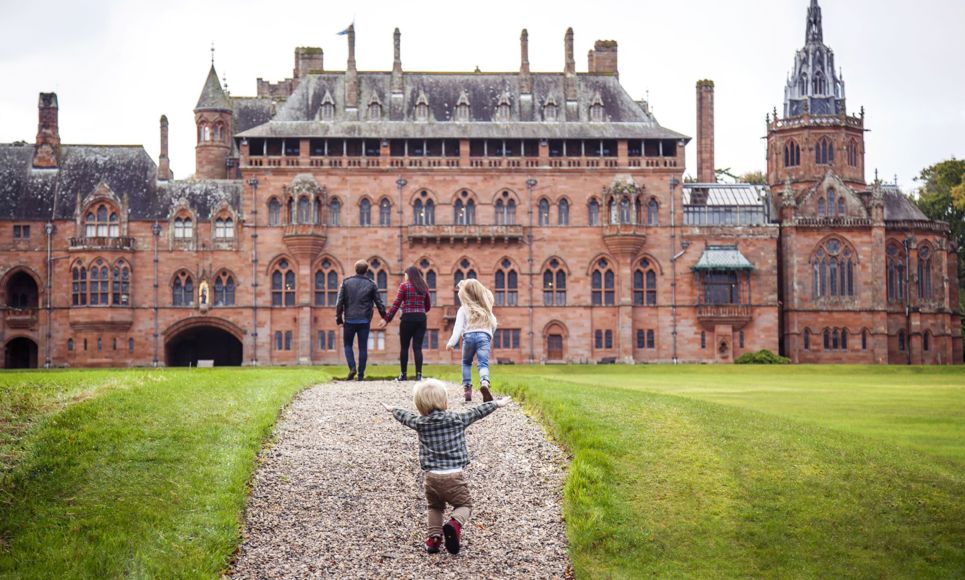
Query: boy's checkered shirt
{"points": [[442, 439]]}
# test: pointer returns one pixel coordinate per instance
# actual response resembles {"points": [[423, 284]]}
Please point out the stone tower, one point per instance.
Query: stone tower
{"points": [[212, 115], [815, 134]]}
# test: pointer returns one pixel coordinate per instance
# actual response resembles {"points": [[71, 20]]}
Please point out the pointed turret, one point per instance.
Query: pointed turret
{"points": [[814, 31], [213, 97], [213, 117]]}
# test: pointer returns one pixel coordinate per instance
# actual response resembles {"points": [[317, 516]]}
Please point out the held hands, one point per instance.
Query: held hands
{"points": [[382, 323], [502, 401]]}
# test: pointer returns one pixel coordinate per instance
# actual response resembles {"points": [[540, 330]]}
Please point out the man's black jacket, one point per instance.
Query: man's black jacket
{"points": [[355, 300]]}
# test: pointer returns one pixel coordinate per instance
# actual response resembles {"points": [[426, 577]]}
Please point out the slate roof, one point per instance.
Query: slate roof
{"points": [[722, 258], [898, 207], [727, 194], [43, 194], [212, 95], [622, 116]]}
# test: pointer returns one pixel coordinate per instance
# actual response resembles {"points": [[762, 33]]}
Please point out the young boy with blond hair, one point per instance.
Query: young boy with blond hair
{"points": [[443, 455]]}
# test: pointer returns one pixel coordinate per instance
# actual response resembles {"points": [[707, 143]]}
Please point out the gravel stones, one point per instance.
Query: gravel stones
{"points": [[339, 494]]}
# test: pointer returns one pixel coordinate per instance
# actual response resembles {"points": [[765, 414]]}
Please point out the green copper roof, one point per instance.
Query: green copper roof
{"points": [[722, 258], [212, 95]]}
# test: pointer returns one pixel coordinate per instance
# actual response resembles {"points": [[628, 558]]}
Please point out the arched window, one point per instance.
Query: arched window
{"points": [[423, 210], [99, 283], [274, 212], [544, 212], [121, 284], [822, 208], [831, 202], [554, 284], [652, 212], [464, 211], [334, 213], [902, 340], [703, 339], [224, 289], [926, 341], [792, 154], [70, 345], [317, 211], [78, 288], [326, 284], [842, 206], [844, 339], [645, 284], [290, 206], [183, 228], [598, 339], [563, 213], [807, 339], [430, 278], [895, 268], [182, 290], [465, 272], [593, 213], [102, 222], [827, 339], [853, 153], [378, 275], [608, 339], [924, 273], [365, 212], [864, 339], [824, 152], [603, 283], [304, 210], [283, 285], [385, 213], [224, 228], [625, 214], [832, 270], [507, 284]]}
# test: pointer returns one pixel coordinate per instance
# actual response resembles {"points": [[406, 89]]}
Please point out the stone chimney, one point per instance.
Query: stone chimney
{"points": [[47, 148], [308, 59], [351, 73], [569, 68], [396, 81], [602, 58], [525, 78], [163, 163], [705, 132]]}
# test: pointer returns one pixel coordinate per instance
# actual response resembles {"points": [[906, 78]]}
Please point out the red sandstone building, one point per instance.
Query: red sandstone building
{"points": [[557, 190]]}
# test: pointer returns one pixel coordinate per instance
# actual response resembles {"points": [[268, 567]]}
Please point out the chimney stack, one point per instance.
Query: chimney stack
{"points": [[602, 58], [47, 147], [163, 163], [351, 73], [705, 132], [569, 68], [525, 79], [396, 81], [308, 59]]}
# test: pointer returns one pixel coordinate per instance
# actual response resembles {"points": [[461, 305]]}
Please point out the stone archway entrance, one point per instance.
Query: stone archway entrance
{"points": [[186, 345], [21, 291], [20, 353]]}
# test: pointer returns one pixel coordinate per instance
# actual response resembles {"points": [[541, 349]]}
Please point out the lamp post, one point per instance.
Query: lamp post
{"points": [[156, 231], [400, 183], [674, 182], [49, 230], [253, 182], [530, 185]]}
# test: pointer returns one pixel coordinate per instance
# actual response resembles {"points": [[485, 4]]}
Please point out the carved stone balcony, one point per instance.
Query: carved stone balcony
{"points": [[736, 315], [123, 243], [624, 240], [465, 233], [101, 318], [21, 318], [305, 241]]}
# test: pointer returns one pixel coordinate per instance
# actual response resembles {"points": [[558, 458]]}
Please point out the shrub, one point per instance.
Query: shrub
{"points": [[762, 357]]}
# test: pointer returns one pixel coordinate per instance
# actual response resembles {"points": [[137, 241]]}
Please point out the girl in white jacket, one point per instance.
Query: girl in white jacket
{"points": [[475, 325]]}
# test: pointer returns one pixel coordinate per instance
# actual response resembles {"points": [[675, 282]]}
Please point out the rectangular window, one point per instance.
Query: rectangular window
{"points": [[609, 338], [288, 340], [640, 340], [21, 232], [506, 338], [321, 340], [377, 340], [331, 340], [598, 339], [431, 340]]}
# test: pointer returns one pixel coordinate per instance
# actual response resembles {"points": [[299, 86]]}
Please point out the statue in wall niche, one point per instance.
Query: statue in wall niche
{"points": [[203, 304], [723, 348]]}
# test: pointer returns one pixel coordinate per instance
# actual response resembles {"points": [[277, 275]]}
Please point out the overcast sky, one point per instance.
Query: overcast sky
{"points": [[118, 65]]}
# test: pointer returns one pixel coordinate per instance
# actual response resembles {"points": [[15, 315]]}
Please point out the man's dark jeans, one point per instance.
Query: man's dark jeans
{"points": [[348, 336]]}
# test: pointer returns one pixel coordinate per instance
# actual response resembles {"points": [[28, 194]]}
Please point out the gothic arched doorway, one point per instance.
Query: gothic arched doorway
{"points": [[20, 353], [21, 291], [190, 343]]}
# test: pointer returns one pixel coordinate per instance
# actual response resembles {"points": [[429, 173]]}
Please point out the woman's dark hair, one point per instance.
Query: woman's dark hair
{"points": [[416, 279]]}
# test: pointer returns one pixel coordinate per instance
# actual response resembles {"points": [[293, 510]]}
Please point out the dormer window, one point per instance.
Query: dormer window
{"points": [[327, 110], [551, 112], [224, 228], [183, 228], [422, 108], [462, 108], [503, 108], [102, 222], [375, 108], [596, 109]]}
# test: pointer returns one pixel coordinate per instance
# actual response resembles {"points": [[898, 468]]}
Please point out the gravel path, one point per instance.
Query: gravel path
{"points": [[340, 494]]}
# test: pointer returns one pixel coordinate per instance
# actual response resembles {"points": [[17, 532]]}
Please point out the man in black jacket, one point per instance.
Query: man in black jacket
{"points": [[354, 308]]}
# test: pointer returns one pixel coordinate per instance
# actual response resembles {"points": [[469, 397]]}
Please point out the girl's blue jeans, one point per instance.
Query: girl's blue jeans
{"points": [[475, 344]]}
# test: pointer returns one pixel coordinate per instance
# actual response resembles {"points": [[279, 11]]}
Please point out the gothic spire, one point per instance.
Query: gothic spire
{"points": [[815, 33], [212, 95]]}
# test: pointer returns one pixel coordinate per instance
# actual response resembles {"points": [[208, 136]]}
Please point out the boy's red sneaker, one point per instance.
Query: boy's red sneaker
{"points": [[452, 531], [433, 544]]}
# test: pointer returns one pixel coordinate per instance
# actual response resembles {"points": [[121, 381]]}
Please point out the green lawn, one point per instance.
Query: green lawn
{"points": [[733, 471], [131, 473]]}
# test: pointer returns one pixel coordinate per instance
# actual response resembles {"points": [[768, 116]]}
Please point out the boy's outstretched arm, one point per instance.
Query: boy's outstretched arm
{"points": [[407, 418], [478, 412]]}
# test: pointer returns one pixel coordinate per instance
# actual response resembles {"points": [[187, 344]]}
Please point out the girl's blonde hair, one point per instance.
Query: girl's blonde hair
{"points": [[478, 301], [430, 395]]}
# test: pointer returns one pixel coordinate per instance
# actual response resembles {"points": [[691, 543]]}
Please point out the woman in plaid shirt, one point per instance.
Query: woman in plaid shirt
{"points": [[414, 300]]}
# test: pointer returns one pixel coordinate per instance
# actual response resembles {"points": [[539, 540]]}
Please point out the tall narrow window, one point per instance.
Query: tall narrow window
{"points": [[792, 154], [895, 268], [121, 284], [365, 212], [274, 212], [608, 339], [507, 281], [464, 211], [554, 284], [385, 213], [853, 153], [652, 212], [924, 273], [326, 284], [224, 289], [423, 210], [901, 340], [335, 213], [603, 284], [224, 228], [79, 286], [807, 339], [378, 275], [304, 210], [926, 341], [593, 213], [99, 283], [824, 152], [645, 284], [544, 212], [283, 285], [182, 289], [563, 213]]}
